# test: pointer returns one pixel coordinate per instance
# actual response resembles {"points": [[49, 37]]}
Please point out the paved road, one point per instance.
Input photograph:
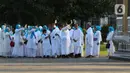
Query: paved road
{"points": [[81, 65]]}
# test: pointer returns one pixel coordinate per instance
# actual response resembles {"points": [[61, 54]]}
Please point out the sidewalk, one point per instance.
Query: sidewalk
{"points": [[124, 56]]}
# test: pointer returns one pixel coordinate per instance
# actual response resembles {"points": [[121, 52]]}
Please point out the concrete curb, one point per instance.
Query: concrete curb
{"points": [[120, 58]]}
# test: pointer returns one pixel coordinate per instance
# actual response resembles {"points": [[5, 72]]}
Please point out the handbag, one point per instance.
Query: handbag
{"points": [[108, 45], [25, 41], [12, 43]]}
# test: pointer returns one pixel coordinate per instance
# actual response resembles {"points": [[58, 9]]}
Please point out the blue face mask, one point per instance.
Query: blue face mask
{"points": [[111, 29], [37, 29], [98, 28], [18, 26], [45, 27], [30, 27], [6, 30], [80, 28], [3, 27], [73, 28]]}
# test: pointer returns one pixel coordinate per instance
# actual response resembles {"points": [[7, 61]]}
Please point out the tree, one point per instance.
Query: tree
{"points": [[40, 11]]}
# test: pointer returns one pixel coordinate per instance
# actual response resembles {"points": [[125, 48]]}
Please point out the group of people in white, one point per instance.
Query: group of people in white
{"points": [[51, 41]]}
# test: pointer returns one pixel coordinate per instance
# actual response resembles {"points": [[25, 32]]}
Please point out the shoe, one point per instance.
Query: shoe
{"points": [[88, 56], [92, 56]]}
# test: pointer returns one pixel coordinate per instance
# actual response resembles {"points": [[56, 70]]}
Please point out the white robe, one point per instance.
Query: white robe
{"points": [[71, 50], [111, 50], [65, 42], [77, 45], [98, 39], [1, 42], [25, 45], [58, 42], [32, 45], [82, 44], [6, 44], [46, 46], [54, 41], [18, 48], [12, 39], [39, 46], [89, 42]]}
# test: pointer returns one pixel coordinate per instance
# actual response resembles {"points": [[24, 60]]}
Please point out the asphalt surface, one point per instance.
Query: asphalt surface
{"points": [[79, 65]]}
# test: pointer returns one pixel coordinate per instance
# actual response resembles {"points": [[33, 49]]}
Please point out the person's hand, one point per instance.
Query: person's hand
{"points": [[74, 40], [97, 43], [56, 34], [46, 37]]}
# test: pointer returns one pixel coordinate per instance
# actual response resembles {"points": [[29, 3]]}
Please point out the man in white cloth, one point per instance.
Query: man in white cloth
{"points": [[97, 41], [82, 43], [53, 38], [71, 50], [46, 46], [89, 41], [110, 35], [65, 41], [38, 34], [6, 42], [18, 48], [77, 41], [32, 43], [1, 40]]}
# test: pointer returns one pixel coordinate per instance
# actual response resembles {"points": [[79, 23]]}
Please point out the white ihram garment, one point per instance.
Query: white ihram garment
{"points": [[97, 40], [89, 42], [111, 50]]}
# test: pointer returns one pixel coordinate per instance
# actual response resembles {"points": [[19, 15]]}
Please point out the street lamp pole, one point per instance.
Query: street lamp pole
{"points": [[125, 20]]}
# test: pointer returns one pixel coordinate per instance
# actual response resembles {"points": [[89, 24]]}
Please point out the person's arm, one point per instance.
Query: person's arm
{"points": [[47, 36], [90, 39], [109, 36], [18, 30], [7, 34]]}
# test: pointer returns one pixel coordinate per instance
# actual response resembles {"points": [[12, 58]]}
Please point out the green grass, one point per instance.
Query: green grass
{"points": [[103, 50]]}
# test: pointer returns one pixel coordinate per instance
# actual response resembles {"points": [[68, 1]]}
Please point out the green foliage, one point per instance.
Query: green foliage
{"points": [[84, 31], [104, 32], [44, 11]]}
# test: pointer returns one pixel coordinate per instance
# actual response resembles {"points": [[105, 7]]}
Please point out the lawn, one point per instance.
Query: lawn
{"points": [[103, 50]]}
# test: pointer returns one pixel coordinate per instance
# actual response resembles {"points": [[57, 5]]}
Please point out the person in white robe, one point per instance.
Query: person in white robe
{"points": [[53, 39], [25, 41], [1, 41], [46, 46], [65, 41], [27, 36], [77, 41], [11, 37], [32, 43], [6, 42], [39, 46], [71, 50], [110, 35], [82, 42], [89, 41], [58, 42], [18, 48], [97, 41]]}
